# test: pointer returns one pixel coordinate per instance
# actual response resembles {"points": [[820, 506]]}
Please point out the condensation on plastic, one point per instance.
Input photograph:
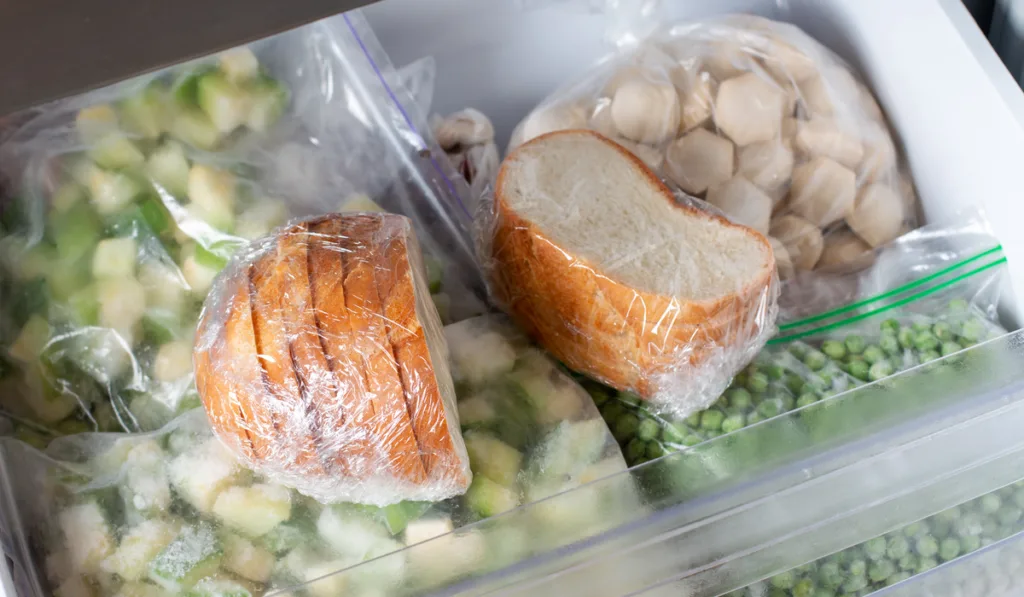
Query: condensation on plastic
{"points": [[676, 352], [96, 505], [759, 119], [112, 288], [320, 361]]}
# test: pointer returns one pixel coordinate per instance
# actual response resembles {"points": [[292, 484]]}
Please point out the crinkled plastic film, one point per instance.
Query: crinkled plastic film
{"points": [[175, 512], [643, 304], [762, 121], [131, 198], [320, 360]]}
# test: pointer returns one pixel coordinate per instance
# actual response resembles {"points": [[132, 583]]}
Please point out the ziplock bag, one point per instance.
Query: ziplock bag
{"points": [[175, 512], [131, 199], [758, 119], [933, 293]]}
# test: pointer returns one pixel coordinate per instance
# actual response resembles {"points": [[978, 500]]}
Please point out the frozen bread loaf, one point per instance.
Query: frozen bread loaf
{"points": [[320, 361]]}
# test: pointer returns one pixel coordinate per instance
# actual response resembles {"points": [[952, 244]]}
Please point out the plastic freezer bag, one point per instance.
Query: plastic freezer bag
{"points": [[131, 199], [174, 511], [927, 304], [758, 119]]}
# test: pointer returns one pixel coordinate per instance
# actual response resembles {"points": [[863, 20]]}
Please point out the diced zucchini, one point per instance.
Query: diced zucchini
{"points": [[164, 286], [66, 196], [199, 277], [76, 586], [122, 304], [191, 556], [487, 498], [48, 404], [553, 396], [239, 64], [218, 587], [245, 559], [222, 220], [87, 536], [446, 559], [173, 361], [426, 529], [30, 341], [138, 547], [34, 262], [262, 217], [476, 410], [160, 327], [253, 510], [284, 538], [112, 191], [145, 484], [114, 258], [104, 353], [478, 354], [94, 121], [168, 167], [114, 151], [397, 517], [145, 112], [351, 534], [75, 232], [570, 448], [194, 127], [443, 304], [322, 579], [435, 272], [141, 589], [268, 99], [360, 202], [156, 216], [212, 188], [225, 103], [493, 458], [67, 276], [202, 473]]}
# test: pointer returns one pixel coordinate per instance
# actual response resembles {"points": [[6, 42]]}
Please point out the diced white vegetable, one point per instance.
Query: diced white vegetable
{"points": [[239, 64], [570, 448], [222, 220], [115, 152], [646, 111], [114, 258], [191, 556], [94, 121], [245, 559], [213, 190], [199, 277], [66, 196], [111, 191], [768, 164], [87, 536], [749, 108], [139, 546], [169, 168], [823, 191], [122, 303], [322, 580], [194, 127], [802, 240], [165, 287], [262, 217], [76, 586], [146, 478], [743, 202], [426, 529], [253, 510], [493, 458], [825, 137], [445, 559], [141, 589], [478, 354], [352, 534], [201, 474], [698, 160], [476, 409], [173, 361], [553, 397], [52, 406], [878, 215], [360, 202], [30, 341], [225, 103]]}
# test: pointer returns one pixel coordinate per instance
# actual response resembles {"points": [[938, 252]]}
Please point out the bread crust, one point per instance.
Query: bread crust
{"points": [[625, 337]]}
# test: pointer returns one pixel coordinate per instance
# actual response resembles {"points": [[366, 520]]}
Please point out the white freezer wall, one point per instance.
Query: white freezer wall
{"points": [[956, 109]]}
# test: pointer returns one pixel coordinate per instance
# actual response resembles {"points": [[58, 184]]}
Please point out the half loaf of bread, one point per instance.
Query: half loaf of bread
{"points": [[321, 362], [596, 259]]}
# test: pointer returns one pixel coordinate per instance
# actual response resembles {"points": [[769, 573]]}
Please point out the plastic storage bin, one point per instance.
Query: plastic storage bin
{"points": [[730, 512]]}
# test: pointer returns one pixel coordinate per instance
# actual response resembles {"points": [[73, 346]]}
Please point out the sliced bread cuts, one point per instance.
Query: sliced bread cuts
{"points": [[600, 263], [321, 363]]}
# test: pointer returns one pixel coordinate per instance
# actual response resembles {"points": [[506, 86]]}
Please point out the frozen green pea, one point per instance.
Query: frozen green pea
{"points": [[890, 325], [612, 411], [989, 528], [1018, 498], [711, 419], [625, 427], [921, 326], [806, 400], [855, 583], [769, 408], [629, 398], [798, 349], [929, 355], [905, 337], [740, 398], [692, 440], [949, 549], [784, 580], [854, 344], [733, 423], [648, 430], [926, 546], [598, 393], [674, 433], [655, 450], [712, 433], [786, 402], [834, 349], [881, 570], [860, 370], [875, 548], [941, 528], [857, 567], [949, 514], [970, 543], [635, 449], [1009, 515], [873, 354], [803, 588], [915, 529], [897, 578], [897, 547], [925, 341], [908, 562], [942, 331], [890, 344], [925, 564], [830, 574], [757, 382], [880, 370], [958, 305], [694, 420], [990, 503], [949, 348], [775, 372], [815, 360], [754, 417], [973, 331], [794, 383]]}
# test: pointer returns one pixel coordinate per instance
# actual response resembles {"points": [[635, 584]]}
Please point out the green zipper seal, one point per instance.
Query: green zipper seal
{"points": [[899, 303], [893, 292]]}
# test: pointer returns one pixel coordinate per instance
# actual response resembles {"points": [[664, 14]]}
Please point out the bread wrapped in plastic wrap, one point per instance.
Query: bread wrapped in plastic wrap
{"points": [[760, 120], [320, 361], [597, 260]]}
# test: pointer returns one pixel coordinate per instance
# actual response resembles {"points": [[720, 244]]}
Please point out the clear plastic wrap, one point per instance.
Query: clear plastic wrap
{"points": [[320, 361], [131, 198], [467, 136], [173, 512], [934, 293], [597, 260], [760, 120]]}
